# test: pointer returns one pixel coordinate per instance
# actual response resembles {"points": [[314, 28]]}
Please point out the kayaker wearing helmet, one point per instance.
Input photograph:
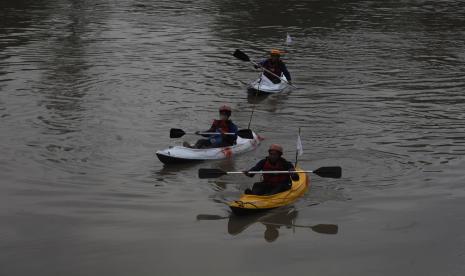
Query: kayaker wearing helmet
{"points": [[275, 65], [223, 125], [272, 183]]}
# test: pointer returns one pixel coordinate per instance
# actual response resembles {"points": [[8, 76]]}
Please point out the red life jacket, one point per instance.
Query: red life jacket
{"points": [[274, 179], [221, 125]]}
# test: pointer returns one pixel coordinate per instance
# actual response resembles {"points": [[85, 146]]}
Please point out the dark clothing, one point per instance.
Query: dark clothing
{"points": [[219, 140], [276, 67], [273, 183], [262, 188]]}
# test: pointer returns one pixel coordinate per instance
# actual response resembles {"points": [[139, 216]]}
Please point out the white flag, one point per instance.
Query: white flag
{"points": [[288, 39], [300, 149]]}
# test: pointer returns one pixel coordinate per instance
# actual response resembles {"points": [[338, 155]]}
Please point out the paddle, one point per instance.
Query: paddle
{"points": [[331, 172], [244, 57], [244, 133]]}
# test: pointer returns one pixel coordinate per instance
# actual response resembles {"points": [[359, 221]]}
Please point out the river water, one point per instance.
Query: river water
{"points": [[90, 89]]}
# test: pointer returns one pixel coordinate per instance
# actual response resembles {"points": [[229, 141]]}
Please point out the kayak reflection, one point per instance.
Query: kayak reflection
{"points": [[272, 221], [173, 169], [254, 98]]}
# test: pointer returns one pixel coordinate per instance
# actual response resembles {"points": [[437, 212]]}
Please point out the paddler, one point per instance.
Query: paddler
{"points": [[275, 65], [221, 126], [273, 183]]}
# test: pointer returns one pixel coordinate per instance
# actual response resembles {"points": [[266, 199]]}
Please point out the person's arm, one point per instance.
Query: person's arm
{"points": [[257, 167], [290, 168], [228, 138], [233, 129], [261, 63], [285, 71]]}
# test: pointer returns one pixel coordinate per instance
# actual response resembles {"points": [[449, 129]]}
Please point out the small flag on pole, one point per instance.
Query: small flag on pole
{"points": [[300, 149], [288, 39]]}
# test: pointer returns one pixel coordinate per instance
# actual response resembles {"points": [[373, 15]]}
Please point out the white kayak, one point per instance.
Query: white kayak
{"points": [[181, 154], [265, 85]]}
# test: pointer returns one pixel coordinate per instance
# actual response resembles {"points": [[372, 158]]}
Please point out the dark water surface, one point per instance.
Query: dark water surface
{"points": [[89, 90]]}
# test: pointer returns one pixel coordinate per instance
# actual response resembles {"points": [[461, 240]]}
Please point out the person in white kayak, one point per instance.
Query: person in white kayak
{"points": [[272, 183], [221, 126], [275, 65]]}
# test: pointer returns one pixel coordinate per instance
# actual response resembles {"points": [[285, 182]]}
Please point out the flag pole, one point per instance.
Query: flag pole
{"points": [[297, 149]]}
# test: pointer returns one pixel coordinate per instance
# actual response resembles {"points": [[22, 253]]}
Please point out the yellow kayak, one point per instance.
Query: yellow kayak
{"points": [[249, 204]]}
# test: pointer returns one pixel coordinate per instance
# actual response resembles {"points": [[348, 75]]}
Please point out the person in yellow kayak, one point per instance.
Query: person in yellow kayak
{"points": [[272, 183], [219, 127], [275, 65]]}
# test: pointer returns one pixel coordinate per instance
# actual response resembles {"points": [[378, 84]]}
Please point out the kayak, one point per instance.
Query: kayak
{"points": [[181, 154], [250, 204], [265, 86]]}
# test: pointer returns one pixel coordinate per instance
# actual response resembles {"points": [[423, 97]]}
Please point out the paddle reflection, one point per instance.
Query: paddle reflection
{"points": [[273, 221]]}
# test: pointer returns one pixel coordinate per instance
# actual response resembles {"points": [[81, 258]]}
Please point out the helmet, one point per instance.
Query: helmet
{"points": [[275, 52], [276, 147], [225, 109]]}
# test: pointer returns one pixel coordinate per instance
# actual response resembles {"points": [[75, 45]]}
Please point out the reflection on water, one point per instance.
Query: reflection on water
{"points": [[256, 98], [173, 169], [272, 220]]}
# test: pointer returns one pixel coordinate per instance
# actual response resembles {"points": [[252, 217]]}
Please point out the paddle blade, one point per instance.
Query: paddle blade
{"points": [[211, 173], [332, 172], [241, 55], [245, 133], [176, 133], [209, 217], [325, 228]]}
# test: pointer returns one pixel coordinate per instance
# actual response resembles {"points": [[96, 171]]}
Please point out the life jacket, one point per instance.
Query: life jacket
{"points": [[219, 126], [274, 179]]}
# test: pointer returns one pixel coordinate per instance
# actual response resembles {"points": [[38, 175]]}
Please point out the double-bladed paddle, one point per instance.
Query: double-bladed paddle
{"points": [[331, 172], [243, 133], [244, 57]]}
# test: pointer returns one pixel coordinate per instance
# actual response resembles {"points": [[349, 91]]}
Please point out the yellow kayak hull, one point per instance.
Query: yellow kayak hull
{"points": [[250, 204]]}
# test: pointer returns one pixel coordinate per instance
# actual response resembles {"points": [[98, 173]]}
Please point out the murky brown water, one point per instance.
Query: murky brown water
{"points": [[90, 89]]}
